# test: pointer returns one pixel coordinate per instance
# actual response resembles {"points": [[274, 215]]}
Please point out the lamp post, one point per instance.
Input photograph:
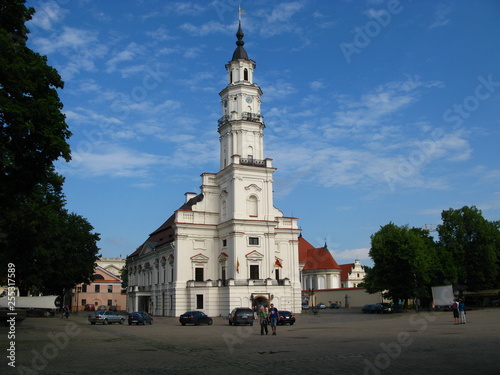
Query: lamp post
{"points": [[78, 290]]}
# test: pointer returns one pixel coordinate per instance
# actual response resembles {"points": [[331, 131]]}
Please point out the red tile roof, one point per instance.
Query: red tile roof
{"points": [[345, 270], [315, 258], [304, 246]]}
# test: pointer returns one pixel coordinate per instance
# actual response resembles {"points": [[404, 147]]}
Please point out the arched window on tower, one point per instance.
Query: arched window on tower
{"points": [[253, 206], [231, 77], [245, 74]]}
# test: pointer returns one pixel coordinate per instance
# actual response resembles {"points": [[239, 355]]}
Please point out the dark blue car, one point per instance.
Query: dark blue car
{"points": [[140, 317], [195, 317]]}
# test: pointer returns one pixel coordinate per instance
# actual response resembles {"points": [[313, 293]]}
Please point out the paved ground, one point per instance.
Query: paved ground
{"points": [[332, 342]]}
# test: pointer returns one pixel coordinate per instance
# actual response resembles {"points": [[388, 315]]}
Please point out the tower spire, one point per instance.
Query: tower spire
{"points": [[240, 52]]}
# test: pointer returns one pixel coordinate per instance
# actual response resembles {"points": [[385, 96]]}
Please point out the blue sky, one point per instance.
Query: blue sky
{"points": [[375, 111]]}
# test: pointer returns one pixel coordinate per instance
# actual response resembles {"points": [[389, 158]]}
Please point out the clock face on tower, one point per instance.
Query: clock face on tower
{"points": [[249, 99]]}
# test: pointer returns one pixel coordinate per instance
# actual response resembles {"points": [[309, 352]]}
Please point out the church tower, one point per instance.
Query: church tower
{"points": [[228, 246], [241, 124], [255, 233]]}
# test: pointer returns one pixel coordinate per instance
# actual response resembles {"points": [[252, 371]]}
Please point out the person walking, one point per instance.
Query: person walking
{"points": [[263, 318], [454, 307], [65, 313], [461, 311], [273, 318]]}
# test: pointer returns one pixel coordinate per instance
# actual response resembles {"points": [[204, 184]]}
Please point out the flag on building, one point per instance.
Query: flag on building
{"points": [[278, 263]]}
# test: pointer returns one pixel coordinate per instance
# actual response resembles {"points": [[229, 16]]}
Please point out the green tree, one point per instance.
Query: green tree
{"points": [[473, 243], [124, 275], [51, 248], [33, 131], [404, 262]]}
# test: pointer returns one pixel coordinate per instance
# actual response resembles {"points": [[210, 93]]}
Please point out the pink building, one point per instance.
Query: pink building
{"points": [[105, 290]]}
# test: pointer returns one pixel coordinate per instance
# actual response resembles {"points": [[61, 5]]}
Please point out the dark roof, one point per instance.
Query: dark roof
{"points": [[165, 233], [239, 52]]}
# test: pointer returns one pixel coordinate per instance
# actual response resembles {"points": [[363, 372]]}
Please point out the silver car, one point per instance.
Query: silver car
{"points": [[106, 317]]}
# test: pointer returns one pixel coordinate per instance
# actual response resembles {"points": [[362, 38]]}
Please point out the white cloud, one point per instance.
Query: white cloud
{"points": [[363, 145], [127, 54], [278, 89], [161, 34], [441, 16], [186, 8], [316, 85], [69, 39], [349, 255], [105, 159], [383, 101], [205, 29], [80, 47], [88, 116], [284, 11], [279, 19], [47, 14]]}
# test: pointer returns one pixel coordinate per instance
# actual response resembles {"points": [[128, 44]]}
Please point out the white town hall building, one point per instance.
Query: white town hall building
{"points": [[227, 246]]}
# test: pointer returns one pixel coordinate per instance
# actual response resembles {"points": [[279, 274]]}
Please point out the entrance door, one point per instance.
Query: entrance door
{"points": [[260, 301]]}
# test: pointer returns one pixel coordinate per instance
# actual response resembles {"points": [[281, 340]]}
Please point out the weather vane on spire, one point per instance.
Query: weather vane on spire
{"points": [[240, 12]]}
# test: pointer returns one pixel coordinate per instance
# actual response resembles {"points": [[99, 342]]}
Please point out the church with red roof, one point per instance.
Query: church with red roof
{"points": [[319, 270]]}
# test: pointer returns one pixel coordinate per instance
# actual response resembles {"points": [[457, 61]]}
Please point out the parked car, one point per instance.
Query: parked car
{"points": [[321, 305], [368, 309], [241, 315], [90, 307], [305, 306], [113, 308], [334, 306], [140, 317], [286, 317], [195, 317], [102, 307], [106, 317], [383, 308]]}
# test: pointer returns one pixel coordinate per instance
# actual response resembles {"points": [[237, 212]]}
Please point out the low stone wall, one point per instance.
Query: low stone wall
{"points": [[356, 297]]}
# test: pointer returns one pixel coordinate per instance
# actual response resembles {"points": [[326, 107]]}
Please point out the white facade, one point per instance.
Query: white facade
{"points": [[355, 275], [228, 246]]}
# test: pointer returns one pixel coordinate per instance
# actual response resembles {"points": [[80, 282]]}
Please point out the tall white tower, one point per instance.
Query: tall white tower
{"points": [[241, 124], [254, 232]]}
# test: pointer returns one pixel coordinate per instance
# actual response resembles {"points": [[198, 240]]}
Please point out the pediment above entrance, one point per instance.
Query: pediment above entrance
{"points": [[199, 258], [223, 257], [254, 255]]}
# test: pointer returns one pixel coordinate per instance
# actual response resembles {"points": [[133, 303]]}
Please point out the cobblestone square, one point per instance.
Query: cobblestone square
{"points": [[341, 341]]}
